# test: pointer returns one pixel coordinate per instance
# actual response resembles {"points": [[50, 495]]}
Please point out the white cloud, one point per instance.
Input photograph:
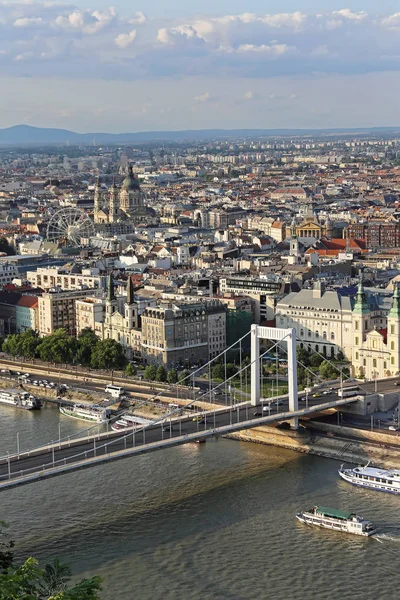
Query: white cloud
{"points": [[28, 22], [346, 13], [273, 49], [294, 20], [90, 22], [176, 34], [203, 98], [392, 22], [138, 19], [123, 40]]}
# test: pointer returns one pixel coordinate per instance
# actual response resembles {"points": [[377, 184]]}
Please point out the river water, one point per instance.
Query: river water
{"points": [[211, 521]]}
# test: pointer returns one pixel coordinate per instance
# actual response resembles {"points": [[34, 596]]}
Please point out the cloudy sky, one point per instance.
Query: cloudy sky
{"points": [[134, 65]]}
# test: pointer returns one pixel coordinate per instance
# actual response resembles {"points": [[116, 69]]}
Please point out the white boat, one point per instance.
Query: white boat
{"points": [[19, 399], [373, 478], [95, 414], [336, 520], [129, 422]]}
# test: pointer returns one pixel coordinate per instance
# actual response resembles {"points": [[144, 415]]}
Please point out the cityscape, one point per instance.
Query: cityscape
{"points": [[199, 301]]}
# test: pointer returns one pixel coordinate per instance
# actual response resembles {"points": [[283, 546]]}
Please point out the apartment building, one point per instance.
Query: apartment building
{"points": [[173, 334], [90, 313], [57, 277], [376, 235], [264, 292], [57, 310]]}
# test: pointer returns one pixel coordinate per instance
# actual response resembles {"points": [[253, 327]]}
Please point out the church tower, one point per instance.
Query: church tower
{"points": [[294, 242], [361, 316], [113, 204], [131, 310], [97, 201], [393, 333], [111, 301]]}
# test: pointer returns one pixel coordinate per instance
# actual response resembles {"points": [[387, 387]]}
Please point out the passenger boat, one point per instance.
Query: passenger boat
{"points": [[129, 422], [373, 478], [337, 520], [95, 414], [20, 399]]}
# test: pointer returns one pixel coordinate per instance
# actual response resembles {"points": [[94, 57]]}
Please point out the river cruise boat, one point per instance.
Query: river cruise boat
{"points": [[95, 414], [129, 422], [337, 520], [20, 399], [373, 478]]}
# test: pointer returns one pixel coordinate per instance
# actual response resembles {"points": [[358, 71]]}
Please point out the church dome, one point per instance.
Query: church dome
{"points": [[130, 182]]}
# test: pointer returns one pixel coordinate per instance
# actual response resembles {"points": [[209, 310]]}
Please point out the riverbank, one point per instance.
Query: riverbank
{"points": [[357, 447]]}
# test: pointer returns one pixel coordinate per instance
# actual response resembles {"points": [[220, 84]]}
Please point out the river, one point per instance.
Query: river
{"points": [[211, 521]]}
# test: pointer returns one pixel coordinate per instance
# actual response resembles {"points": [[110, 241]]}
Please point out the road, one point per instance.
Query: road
{"points": [[81, 450]]}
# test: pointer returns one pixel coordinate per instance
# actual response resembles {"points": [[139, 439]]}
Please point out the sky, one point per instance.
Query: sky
{"points": [[124, 66]]}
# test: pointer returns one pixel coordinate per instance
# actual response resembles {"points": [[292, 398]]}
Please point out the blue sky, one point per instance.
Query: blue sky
{"points": [[157, 8], [114, 65]]}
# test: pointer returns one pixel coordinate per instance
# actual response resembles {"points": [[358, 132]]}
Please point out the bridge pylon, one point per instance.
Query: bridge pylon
{"points": [[258, 333]]}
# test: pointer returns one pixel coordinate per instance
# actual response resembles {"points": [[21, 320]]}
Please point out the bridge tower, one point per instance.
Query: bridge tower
{"points": [[283, 335]]}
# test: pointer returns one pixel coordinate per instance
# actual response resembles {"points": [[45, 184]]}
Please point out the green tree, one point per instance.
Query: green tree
{"points": [[172, 376], [86, 343], [328, 371], [316, 360], [130, 370], [301, 377], [6, 247], [28, 582], [340, 355], [184, 377], [161, 374], [29, 341], [12, 345], [218, 372], [58, 347], [6, 548], [108, 355], [231, 370], [303, 356], [150, 373]]}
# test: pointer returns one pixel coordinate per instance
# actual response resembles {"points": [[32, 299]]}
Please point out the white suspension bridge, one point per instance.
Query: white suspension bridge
{"points": [[174, 428]]}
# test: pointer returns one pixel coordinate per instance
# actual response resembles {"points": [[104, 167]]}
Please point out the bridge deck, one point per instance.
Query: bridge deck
{"points": [[58, 459]]}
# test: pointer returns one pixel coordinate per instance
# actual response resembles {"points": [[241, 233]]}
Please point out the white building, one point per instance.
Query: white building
{"points": [[366, 328]]}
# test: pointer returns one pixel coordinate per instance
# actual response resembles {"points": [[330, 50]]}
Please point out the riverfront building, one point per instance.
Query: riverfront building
{"points": [[365, 328]]}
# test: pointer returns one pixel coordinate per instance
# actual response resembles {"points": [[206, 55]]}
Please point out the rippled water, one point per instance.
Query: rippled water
{"points": [[210, 521]]}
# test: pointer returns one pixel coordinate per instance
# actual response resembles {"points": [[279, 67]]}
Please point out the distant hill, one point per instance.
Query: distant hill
{"points": [[27, 135]]}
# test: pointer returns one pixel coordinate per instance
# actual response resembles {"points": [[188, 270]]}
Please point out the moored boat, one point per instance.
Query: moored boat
{"points": [[337, 520], [372, 478], [95, 414], [20, 399], [129, 422]]}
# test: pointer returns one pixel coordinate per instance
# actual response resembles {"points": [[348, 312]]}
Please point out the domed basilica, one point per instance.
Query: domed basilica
{"points": [[125, 203]]}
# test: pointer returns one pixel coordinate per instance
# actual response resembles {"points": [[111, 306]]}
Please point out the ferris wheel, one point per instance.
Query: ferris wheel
{"points": [[69, 226]]}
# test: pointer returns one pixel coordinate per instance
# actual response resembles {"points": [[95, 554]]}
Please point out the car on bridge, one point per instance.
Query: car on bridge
{"points": [[199, 419]]}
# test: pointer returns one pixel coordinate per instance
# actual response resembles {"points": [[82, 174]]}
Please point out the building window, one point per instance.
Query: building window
{"points": [[332, 336], [392, 360], [356, 341], [356, 355], [374, 363], [392, 345], [357, 325], [392, 329], [365, 362]]}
